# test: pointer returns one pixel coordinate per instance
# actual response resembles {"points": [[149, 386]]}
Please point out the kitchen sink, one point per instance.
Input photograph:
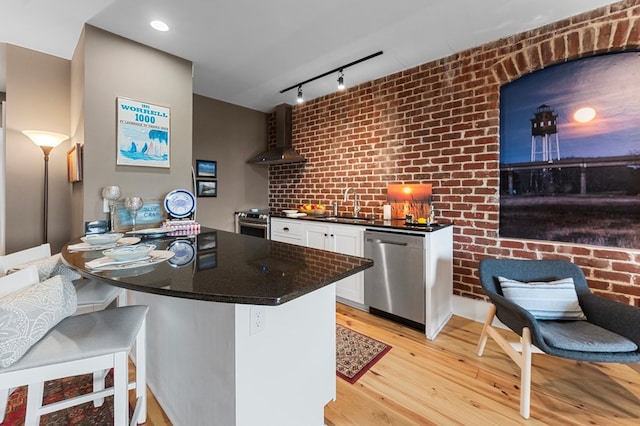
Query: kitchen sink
{"points": [[350, 219]]}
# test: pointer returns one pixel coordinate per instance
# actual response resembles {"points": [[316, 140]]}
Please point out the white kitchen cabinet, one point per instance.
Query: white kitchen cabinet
{"points": [[347, 239], [287, 231]]}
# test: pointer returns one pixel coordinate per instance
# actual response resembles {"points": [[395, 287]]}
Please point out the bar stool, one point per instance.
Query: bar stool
{"points": [[92, 295], [83, 344]]}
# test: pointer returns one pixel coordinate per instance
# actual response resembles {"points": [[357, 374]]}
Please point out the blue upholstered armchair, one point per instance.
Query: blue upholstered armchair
{"points": [[536, 299]]}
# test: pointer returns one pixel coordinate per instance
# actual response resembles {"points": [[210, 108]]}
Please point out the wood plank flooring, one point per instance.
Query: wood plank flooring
{"points": [[443, 382]]}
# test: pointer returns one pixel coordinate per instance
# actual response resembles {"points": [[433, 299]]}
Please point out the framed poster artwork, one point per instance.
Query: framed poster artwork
{"points": [[143, 134], [207, 188], [74, 163], [206, 169], [569, 153]]}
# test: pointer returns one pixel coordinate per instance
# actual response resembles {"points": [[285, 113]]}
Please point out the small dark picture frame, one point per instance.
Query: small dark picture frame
{"points": [[206, 169], [207, 188]]}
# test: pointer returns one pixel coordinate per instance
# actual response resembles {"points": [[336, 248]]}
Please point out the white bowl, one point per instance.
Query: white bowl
{"points": [[129, 253], [290, 211], [101, 239]]}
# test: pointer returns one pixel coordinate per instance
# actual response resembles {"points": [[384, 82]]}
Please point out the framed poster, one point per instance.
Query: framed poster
{"points": [[569, 153], [143, 134], [207, 188], [207, 169]]}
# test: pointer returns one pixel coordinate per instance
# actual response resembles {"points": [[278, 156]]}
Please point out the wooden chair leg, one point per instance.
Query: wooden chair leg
{"points": [[120, 389], [4, 398], [35, 393], [98, 385], [525, 374], [484, 335], [140, 412], [522, 357]]}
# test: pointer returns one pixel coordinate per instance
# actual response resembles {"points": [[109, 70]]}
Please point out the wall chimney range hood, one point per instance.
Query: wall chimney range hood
{"points": [[283, 153]]}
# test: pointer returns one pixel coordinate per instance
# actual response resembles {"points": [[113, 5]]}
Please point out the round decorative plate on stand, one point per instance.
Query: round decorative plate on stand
{"points": [[179, 203]]}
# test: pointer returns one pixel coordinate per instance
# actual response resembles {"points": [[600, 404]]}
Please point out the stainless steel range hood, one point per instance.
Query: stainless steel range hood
{"points": [[283, 153]]}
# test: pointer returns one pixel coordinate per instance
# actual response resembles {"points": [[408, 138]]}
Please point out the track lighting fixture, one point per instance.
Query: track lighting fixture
{"points": [[341, 81], [340, 69], [299, 99]]}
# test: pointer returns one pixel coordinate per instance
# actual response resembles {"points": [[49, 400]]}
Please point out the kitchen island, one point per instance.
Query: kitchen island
{"points": [[241, 330]]}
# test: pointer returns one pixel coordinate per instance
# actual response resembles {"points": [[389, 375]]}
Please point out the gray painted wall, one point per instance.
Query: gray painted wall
{"points": [[116, 67], [230, 135], [78, 98], [38, 87]]}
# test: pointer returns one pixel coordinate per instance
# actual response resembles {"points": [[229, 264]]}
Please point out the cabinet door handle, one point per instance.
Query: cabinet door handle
{"points": [[332, 235], [285, 229]]}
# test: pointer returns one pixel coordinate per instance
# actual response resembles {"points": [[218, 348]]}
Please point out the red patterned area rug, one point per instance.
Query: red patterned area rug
{"points": [[356, 353], [55, 390]]}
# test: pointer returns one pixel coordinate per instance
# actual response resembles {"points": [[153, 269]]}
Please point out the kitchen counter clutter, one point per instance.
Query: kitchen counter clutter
{"points": [[240, 330], [411, 280], [398, 224]]}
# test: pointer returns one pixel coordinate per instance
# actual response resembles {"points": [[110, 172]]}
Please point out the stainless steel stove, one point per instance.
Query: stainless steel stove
{"points": [[253, 222]]}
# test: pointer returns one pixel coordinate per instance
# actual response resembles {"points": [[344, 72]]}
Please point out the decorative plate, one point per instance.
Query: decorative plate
{"points": [[179, 203], [108, 264], [184, 252]]}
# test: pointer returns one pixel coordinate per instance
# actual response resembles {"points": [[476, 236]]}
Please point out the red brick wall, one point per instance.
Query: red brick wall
{"points": [[439, 123]]}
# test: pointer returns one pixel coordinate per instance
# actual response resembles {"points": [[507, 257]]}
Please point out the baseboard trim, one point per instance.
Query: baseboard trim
{"points": [[473, 309]]}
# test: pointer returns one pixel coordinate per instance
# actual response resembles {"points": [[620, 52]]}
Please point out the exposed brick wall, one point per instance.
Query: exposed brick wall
{"points": [[439, 123]]}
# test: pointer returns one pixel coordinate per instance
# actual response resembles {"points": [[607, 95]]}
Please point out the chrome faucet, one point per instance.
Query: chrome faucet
{"points": [[356, 200]]}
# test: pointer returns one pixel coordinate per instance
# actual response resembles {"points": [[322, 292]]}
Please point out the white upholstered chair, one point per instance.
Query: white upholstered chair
{"points": [[83, 344], [92, 295]]}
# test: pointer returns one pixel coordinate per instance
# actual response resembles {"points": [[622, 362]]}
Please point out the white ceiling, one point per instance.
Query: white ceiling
{"points": [[245, 51]]}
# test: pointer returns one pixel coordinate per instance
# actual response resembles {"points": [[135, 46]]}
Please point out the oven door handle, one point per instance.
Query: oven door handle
{"points": [[253, 225]]}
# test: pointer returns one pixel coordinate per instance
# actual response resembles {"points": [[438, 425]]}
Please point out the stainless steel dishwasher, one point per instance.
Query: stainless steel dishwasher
{"points": [[395, 285]]}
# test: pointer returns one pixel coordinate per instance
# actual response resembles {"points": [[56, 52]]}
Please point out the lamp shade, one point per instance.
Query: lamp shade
{"points": [[46, 139]]}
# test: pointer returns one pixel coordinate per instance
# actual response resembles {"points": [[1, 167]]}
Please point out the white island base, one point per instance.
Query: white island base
{"points": [[206, 365]]}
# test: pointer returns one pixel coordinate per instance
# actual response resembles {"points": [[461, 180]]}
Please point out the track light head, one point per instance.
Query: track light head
{"points": [[300, 99], [341, 81]]}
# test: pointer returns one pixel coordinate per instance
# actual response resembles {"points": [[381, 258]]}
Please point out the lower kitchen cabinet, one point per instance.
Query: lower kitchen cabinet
{"points": [[346, 239], [287, 231]]}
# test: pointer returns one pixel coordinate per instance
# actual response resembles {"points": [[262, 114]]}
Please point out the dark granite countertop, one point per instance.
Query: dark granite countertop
{"points": [[395, 224], [221, 266]]}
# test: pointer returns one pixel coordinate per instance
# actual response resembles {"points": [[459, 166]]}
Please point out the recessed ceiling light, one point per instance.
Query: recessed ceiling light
{"points": [[159, 25]]}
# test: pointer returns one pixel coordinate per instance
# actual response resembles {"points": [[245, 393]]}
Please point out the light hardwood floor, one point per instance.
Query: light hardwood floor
{"points": [[443, 382]]}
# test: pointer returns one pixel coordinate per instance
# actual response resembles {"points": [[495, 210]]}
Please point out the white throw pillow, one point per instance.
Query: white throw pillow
{"points": [[49, 267], [553, 300], [28, 314]]}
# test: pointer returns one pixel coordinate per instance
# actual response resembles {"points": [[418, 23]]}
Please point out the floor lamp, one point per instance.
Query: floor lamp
{"points": [[47, 141]]}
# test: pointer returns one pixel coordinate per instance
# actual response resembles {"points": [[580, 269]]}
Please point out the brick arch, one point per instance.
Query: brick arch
{"points": [[616, 36]]}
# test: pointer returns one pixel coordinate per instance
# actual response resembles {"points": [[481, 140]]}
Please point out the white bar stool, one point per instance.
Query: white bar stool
{"points": [[83, 344]]}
